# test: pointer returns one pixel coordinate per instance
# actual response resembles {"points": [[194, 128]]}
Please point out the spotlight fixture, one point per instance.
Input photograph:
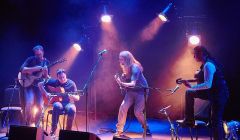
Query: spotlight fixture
{"points": [[162, 15], [77, 47], [194, 39], [106, 18]]}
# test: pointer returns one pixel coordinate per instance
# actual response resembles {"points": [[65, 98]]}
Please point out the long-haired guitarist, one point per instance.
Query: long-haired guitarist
{"points": [[133, 72], [211, 86], [66, 102], [33, 65]]}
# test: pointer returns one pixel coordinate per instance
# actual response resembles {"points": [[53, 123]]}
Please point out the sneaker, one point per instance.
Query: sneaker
{"points": [[53, 136], [118, 134], [148, 132], [53, 133]]}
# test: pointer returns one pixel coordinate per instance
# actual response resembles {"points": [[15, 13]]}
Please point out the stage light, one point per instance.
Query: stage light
{"points": [[194, 39], [106, 18], [231, 129], [162, 15], [77, 47]]}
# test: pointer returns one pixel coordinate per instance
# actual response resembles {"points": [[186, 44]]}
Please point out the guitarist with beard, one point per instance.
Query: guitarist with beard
{"points": [[33, 65], [65, 103]]}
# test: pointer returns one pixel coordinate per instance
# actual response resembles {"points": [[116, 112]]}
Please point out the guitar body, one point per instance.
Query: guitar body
{"points": [[122, 77], [57, 93], [54, 98], [27, 80]]}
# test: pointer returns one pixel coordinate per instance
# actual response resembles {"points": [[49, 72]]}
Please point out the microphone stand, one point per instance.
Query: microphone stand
{"points": [[85, 88], [172, 129]]}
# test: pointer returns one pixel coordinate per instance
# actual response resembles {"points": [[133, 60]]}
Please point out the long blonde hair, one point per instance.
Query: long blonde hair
{"points": [[129, 61]]}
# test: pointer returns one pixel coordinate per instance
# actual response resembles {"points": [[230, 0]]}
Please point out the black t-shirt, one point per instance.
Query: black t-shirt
{"points": [[219, 89], [69, 86], [34, 61]]}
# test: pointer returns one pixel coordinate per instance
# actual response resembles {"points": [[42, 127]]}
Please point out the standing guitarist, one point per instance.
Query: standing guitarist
{"points": [[32, 66], [133, 71], [66, 102]]}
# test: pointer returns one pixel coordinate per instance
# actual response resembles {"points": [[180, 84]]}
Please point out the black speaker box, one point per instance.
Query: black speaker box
{"points": [[77, 135], [121, 138], [18, 132]]}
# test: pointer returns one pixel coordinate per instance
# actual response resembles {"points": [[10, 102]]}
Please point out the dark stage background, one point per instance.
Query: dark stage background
{"points": [[57, 24]]}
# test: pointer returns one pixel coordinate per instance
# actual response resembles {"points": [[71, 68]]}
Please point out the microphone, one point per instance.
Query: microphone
{"points": [[102, 52], [175, 89]]}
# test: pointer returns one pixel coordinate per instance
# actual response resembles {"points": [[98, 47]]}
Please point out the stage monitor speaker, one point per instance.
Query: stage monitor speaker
{"points": [[18, 132], [77, 135], [121, 138]]}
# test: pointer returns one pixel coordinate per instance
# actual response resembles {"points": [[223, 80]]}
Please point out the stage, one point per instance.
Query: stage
{"points": [[104, 129]]}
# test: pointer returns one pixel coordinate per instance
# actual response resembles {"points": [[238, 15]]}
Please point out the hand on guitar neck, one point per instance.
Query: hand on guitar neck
{"points": [[185, 82], [118, 79]]}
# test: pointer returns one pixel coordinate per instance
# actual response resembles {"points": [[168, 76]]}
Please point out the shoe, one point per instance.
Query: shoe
{"points": [[53, 133], [118, 134], [148, 132], [53, 137]]}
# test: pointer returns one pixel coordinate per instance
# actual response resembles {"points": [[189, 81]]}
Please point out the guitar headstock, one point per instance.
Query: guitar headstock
{"points": [[117, 75], [179, 81], [56, 62], [80, 92]]}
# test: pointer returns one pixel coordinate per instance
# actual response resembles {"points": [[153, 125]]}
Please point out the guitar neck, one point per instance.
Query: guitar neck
{"points": [[52, 64], [192, 80], [56, 62]]}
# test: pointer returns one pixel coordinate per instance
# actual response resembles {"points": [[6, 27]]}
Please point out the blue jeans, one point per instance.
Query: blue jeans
{"points": [[33, 97], [58, 108]]}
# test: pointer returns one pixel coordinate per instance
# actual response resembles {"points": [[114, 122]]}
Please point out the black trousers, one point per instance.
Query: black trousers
{"points": [[217, 110]]}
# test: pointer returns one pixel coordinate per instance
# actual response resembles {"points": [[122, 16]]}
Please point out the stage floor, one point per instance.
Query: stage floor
{"points": [[105, 128]]}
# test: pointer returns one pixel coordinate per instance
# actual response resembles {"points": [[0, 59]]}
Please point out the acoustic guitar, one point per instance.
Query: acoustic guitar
{"points": [[27, 80]]}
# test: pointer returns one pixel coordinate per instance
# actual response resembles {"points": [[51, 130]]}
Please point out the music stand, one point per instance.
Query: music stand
{"points": [[6, 119]]}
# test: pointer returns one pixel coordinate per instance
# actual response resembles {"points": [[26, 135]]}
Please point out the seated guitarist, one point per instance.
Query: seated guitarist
{"points": [[211, 86], [67, 101], [32, 65]]}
